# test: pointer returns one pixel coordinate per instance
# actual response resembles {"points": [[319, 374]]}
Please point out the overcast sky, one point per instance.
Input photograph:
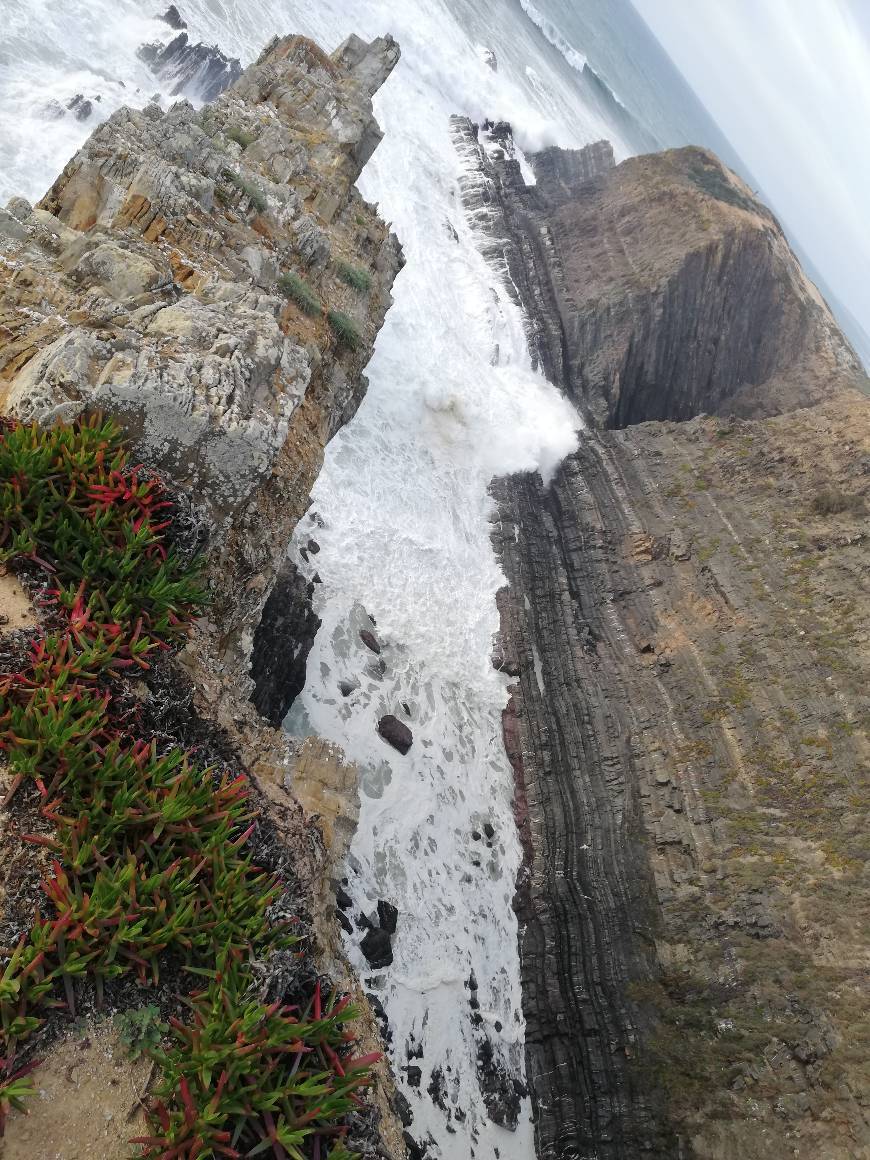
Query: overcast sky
{"points": [[788, 82]]}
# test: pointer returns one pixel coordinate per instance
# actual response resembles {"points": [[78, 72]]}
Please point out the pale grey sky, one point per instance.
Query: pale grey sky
{"points": [[788, 82]]}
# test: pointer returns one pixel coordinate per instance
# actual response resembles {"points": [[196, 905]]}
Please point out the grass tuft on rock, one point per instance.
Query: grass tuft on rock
{"points": [[354, 275], [252, 192], [298, 291], [149, 859], [241, 136], [344, 329], [831, 501]]}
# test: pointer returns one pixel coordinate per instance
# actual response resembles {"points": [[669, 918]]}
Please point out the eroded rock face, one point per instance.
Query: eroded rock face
{"points": [[147, 285], [688, 625]]}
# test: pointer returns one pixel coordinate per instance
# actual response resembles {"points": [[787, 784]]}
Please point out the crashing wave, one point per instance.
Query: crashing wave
{"points": [[575, 58]]}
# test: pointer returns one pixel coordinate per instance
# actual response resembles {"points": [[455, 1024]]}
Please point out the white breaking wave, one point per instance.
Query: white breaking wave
{"points": [[576, 59]]}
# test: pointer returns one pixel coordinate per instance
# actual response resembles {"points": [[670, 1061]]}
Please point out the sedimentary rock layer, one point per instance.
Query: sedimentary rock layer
{"points": [[689, 620], [658, 288]]}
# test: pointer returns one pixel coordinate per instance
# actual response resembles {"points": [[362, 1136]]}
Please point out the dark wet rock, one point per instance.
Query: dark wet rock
{"points": [[437, 1089], [403, 1109], [347, 687], [377, 948], [388, 916], [395, 733], [344, 922], [313, 547], [416, 1151], [381, 1016], [502, 1092], [81, 107], [370, 640], [343, 899], [282, 642], [200, 70], [173, 18], [414, 1074]]}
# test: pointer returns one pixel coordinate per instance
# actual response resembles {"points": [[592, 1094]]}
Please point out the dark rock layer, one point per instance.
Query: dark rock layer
{"points": [[282, 643]]}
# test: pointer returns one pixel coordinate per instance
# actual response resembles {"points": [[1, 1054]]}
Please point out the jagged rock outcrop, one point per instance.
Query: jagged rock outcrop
{"points": [[689, 627], [158, 280], [200, 70], [147, 283]]}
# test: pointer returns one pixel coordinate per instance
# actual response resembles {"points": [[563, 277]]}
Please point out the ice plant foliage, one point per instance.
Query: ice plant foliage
{"points": [[149, 860]]}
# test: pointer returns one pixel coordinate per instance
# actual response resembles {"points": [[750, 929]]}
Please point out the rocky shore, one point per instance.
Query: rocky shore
{"points": [[685, 619]]}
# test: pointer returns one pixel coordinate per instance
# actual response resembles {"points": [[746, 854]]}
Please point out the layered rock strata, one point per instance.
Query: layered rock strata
{"points": [[656, 289], [183, 274], [687, 621]]}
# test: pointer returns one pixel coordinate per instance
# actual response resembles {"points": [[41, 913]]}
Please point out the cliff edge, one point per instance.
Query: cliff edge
{"points": [[214, 282]]}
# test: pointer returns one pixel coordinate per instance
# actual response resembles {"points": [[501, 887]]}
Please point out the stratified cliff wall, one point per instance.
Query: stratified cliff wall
{"points": [[687, 620], [187, 273], [656, 289]]}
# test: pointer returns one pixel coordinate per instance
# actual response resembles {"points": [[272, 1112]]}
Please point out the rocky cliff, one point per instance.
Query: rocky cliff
{"points": [[687, 622], [214, 281], [658, 288]]}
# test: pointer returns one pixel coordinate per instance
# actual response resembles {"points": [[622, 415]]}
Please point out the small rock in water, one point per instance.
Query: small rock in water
{"points": [[395, 733], [370, 641], [403, 1109], [415, 1075], [343, 899], [313, 547], [388, 915], [173, 18], [81, 107], [347, 687], [377, 948]]}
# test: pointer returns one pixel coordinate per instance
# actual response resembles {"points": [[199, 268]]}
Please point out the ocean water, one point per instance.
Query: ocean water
{"points": [[401, 511]]}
